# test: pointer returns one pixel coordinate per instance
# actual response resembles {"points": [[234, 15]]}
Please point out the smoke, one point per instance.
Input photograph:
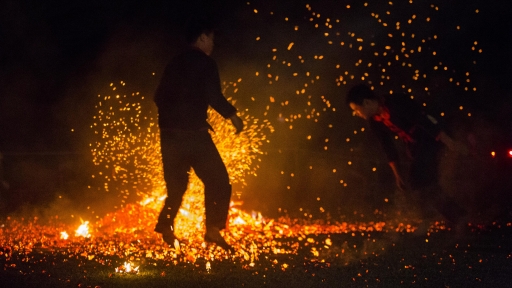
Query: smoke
{"points": [[479, 181], [51, 76]]}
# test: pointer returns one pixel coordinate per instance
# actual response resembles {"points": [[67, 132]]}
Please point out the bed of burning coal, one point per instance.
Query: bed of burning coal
{"points": [[122, 250]]}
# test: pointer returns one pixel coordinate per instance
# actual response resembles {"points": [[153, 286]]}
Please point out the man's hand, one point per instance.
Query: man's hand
{"points": [[453, 145], [237, 122], [400, 184]]}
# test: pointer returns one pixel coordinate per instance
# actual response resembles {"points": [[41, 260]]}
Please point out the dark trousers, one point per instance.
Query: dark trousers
{"points": [[424, 153], [424, 178], [182, 150]]}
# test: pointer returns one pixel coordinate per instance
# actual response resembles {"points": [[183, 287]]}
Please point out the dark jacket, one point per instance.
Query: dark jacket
{"points": [[189, 85], [408, 120]]}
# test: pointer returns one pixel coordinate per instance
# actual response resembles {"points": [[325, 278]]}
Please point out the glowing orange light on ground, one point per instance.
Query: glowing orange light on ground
{"points": [[83, 230]]}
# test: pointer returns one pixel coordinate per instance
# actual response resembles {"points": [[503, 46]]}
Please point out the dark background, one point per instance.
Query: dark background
{"points": [[57, 56]]}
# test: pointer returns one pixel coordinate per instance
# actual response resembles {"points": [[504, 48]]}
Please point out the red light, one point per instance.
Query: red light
{"points": [[509, 153]]}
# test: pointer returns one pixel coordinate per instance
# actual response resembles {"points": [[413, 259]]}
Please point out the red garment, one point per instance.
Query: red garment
{"points": [[384, 117]]}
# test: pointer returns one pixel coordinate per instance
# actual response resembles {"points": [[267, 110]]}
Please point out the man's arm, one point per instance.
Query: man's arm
{"points": [[389, 149], [385, 139], [213, 91], [431, 125], [398, 178], [217, 100], [452, 144]]}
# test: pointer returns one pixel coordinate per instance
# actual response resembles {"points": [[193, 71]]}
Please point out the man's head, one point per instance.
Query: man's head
{"points": [[363, 101], [200, 33]]}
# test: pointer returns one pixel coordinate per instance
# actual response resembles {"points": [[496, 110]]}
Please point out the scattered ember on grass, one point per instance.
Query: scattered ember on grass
{"points": [[123, 234], [125, 247], [127, 268]]}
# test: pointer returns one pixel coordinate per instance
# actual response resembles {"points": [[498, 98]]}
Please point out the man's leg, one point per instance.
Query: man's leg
{"points": [[424, 177], [210, 168], [450, 209], [175, 167]]}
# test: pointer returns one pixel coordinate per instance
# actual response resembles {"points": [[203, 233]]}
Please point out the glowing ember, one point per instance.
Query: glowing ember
{"points": [[127, 268], [128, 155], [64, 235], [83, 230], [239, 220]]}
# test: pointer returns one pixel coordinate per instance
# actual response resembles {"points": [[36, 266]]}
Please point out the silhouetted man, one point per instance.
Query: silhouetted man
{"points": [[189, 85], [398, 114]]}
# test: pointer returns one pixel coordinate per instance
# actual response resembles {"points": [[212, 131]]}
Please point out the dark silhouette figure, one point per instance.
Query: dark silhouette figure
{"points": [[189, 85], [423, 137]]}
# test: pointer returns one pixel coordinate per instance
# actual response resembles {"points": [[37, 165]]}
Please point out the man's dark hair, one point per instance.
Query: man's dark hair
{"points": [[197, 26], [358, 93]]}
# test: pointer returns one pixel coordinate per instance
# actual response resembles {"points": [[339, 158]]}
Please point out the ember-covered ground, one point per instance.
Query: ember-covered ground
{"points": [[280, 252]]}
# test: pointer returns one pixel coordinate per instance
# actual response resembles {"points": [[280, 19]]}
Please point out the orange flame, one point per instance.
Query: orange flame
{"points": [[127, 268], [83, 230]]}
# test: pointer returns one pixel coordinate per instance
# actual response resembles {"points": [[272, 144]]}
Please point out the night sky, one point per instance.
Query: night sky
{"points": [[51, 50], [57, 56]]}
